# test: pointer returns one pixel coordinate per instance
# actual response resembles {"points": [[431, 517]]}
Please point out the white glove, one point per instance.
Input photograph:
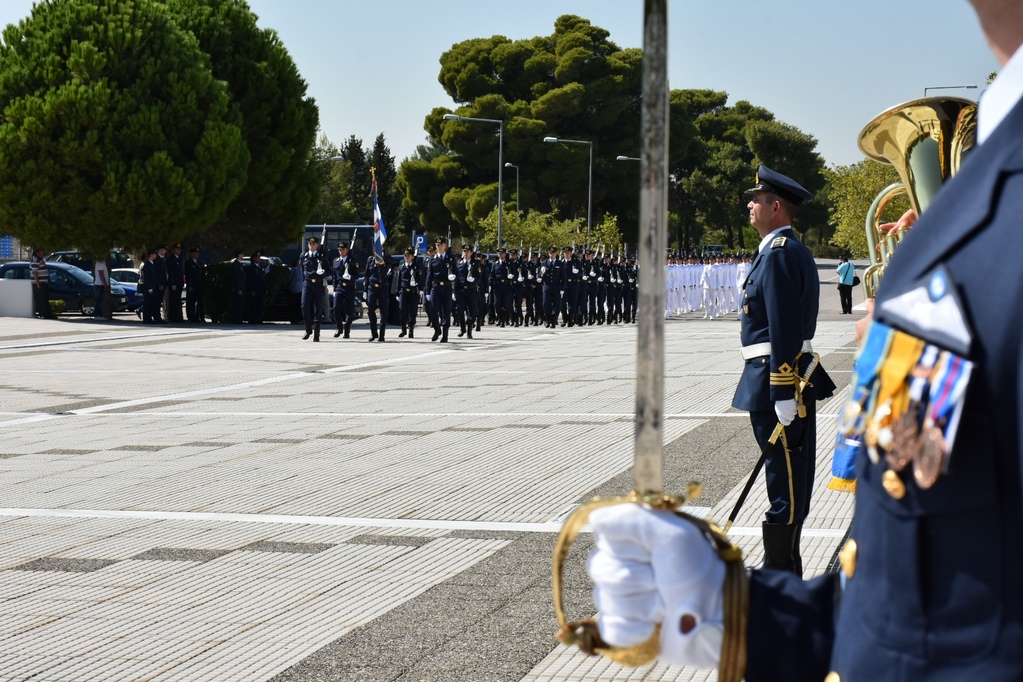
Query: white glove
{"points": [[511, 276], [585, 278], [654, 567], [451, 278], [543, 270], [319, 270], [600, 279], [429, 297], [470, 279], [346, 276], [562, 292], [520, 278], [786, 410], [575, 271], [529, 276]]}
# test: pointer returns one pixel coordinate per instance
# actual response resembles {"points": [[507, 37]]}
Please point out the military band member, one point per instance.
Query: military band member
{"points": [[314, 265], [552, 275], [345, 273], [440, 279], [378, 292], [470, 276], [411, 277]]}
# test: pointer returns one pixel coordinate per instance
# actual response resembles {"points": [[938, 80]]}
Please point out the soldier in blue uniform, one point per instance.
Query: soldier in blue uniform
{"points": [[603, 270], [314, 266], [345, 273], [552, 275], [152, 290], [470, 276], [483, 288], [519, 276], [410, 278], [778, 320], [194, 280], [440, 279], [175, 283], [501, 277], [630, 290], [570, 299], [378, 290]]}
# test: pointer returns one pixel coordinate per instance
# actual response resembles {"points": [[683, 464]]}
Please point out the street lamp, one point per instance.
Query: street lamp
{"points": [[589, 193], [950, 87], [500, 166], [512, 165], [628, 158]]}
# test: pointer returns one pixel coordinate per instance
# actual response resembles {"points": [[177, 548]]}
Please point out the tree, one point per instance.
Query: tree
{"points": [[279, 123], [574, 84], [114, 128], [334, 207], [853, 189]]}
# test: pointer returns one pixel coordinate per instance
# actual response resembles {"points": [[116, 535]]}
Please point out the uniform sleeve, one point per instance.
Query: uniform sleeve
{"points": [[782, 283], [791, 627]]}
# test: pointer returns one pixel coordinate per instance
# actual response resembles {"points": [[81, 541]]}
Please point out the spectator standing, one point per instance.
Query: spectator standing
{"points": [[100, 286], [846, 274], [41, 284], [193, 279]]}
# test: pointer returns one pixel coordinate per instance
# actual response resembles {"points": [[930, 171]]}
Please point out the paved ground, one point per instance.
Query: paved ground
{"points": [[184, 503]]}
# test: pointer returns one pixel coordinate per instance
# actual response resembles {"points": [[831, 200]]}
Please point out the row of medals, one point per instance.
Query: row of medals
{"points": [[904, 440]]}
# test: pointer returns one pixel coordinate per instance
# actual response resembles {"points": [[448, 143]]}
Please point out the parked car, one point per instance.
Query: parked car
{"points": [[69, 284], [117, 259]]}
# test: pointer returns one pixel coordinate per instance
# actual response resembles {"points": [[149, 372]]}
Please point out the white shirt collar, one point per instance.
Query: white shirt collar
{"points": [[767, 240], [1000, 97]]}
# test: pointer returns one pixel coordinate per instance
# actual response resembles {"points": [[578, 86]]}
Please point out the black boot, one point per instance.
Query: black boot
{"points": [[348, 329], [444, 339], [338, 332], [461, 331], [308, 331], [404, 331], [797, 560], [372, 330], [383, 329], [316, 332], [412, 332], [778, 541], [470, 331], [436, 332]]}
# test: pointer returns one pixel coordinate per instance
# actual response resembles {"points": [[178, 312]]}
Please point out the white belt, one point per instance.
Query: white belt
{"points": [[757, 350]]}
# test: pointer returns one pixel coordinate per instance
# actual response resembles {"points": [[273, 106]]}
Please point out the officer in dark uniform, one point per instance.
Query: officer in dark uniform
{"points": [[470, 275], [614, 291], [778, 320], [431, 319], [255, 280], [552, 274], [630, 290], [239, 282], [528, 289], [440, 279], [152, 291], [570, 299], [410, 278], [517, 269], [175, 282], [589, 278], [378, 291], [483, 288], [501, 277], [314, 266], [346, 272], [193, 278]]}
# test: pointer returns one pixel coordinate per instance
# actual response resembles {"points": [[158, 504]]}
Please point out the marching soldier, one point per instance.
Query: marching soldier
{"points": [[482, 288], [589, 277], [603, 305], [440, 278], [410, 278], [501, 278], [518, 277], [431, 319], [470, 275], [570, 300], [314, 266], [378, 291], [346, 272], [552, 274], [629, 291]]}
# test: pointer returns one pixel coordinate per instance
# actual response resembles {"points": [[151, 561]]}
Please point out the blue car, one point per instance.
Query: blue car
{"points": [[71, 285]]}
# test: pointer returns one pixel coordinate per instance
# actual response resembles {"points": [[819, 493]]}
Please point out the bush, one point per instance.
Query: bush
{"points": [[58, 307]]}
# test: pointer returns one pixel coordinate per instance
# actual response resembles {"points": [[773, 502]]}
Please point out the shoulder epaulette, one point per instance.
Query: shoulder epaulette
{"points": [[779, 242]]}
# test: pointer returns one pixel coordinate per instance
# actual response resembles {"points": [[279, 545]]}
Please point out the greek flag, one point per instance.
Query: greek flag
{"points": [[379, 231]]}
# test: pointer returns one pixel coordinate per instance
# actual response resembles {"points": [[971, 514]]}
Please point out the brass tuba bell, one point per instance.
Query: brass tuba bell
{"points": [[926, 140]]}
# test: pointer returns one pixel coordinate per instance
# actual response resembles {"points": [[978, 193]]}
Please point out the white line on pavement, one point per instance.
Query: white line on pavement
{"points": [[294, 519]]}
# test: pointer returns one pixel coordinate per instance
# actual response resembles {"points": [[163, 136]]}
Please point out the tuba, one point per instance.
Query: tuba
{"points": [[926, 140]]}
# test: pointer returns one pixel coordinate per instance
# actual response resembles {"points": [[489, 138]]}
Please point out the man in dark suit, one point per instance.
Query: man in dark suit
{"points": [[175, 283], [470, 276], [378, 292], [552, 276], [345, 273], [193, 278], [929, 587], [314, 266], [151, 282], [440, 280]]}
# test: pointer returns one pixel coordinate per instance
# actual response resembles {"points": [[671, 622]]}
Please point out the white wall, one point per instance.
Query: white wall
{"points": [[15, 298]]}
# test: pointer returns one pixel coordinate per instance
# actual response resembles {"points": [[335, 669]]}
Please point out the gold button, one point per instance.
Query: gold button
{"points": [[832, 677], [893, 484], [848, 558]]}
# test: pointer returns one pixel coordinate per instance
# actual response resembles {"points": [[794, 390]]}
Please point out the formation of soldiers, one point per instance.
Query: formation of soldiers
{"points": [[469, 290], [712, 284], [162, 280]]}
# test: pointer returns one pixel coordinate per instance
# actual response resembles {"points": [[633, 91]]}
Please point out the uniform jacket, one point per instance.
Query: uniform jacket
{"points": [[239, 278], [468, 268], [553, 273], [378, 274], [780, 300], [437, 271], [340, 267], [937, 592], [310, 263], [499, 272], [175, 273], [407, 272], [193, 276]]}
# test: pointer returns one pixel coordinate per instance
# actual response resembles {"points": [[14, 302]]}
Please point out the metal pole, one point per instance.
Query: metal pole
{"points": [[500, 182], [653, 236], [589, 196], [517, 210]]}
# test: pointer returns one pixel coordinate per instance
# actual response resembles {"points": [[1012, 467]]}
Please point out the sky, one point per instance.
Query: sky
{"points": [[823, 66]]}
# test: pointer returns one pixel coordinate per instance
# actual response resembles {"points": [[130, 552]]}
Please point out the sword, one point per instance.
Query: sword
{"points": [[648, 468]]}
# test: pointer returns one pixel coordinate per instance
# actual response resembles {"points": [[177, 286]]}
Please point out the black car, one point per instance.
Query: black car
{"points": [[69, 284]]}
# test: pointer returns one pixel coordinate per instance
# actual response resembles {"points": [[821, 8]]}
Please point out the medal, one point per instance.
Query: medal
{"points": [[905, 441], [893, 485], [928, 463]]}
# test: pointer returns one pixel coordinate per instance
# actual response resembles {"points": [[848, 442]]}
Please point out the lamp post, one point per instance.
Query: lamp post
{"points": [[628, 158], [950, 87], [512, 165], [500, 166], [589, 192]]}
